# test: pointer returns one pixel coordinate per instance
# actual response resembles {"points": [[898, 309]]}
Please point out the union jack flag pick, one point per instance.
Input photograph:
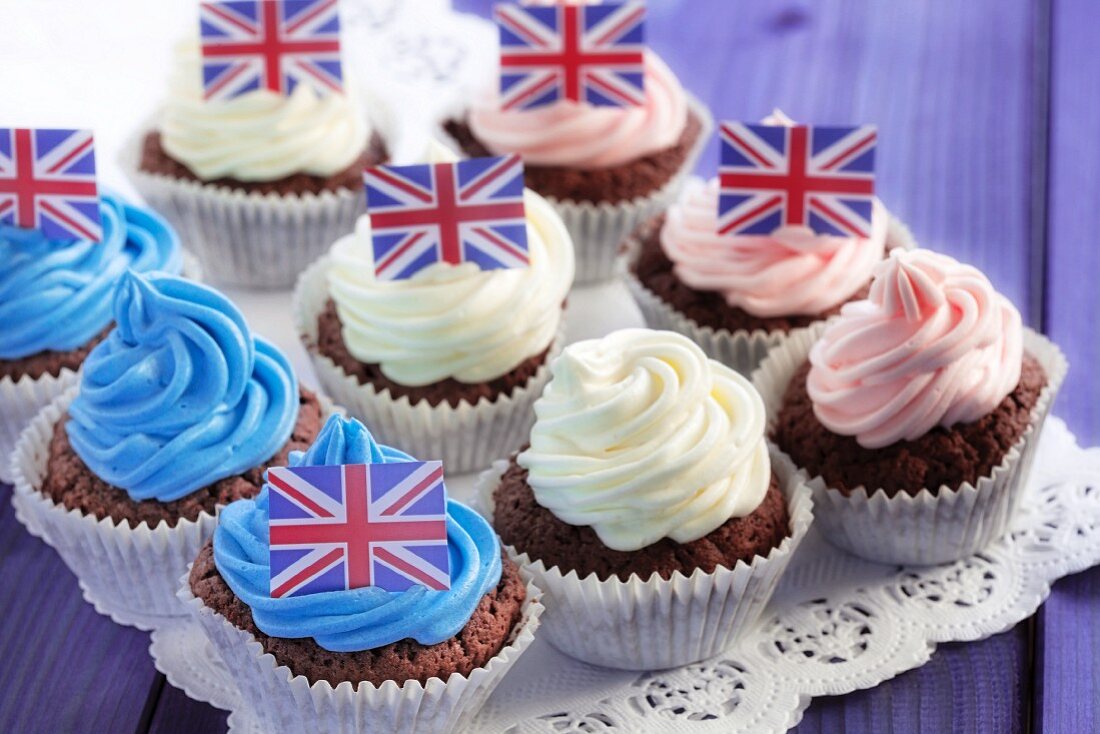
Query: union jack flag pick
{"points": [[817, 177], [470, 211], [269, 44], [47, 182], [336, 528], [588, 53]]}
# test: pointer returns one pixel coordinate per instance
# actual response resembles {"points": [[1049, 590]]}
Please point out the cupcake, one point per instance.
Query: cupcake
{"points": [[260, 184], [737, 297], [55, 304], [916, 412], [448, 362], [177, 413], [606, 170], [647, 506], [364, 659]]}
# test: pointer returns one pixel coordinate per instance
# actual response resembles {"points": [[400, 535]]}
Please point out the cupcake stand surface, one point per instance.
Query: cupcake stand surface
{"points": [[962, 93]]}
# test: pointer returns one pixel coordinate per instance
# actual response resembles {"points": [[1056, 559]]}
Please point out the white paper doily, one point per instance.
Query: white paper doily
{"points": [[836, 624]]}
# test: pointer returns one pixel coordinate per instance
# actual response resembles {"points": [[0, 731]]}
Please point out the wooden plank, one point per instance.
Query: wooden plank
{"points": [[1067, 634], [175, 712], [65, 667], [975, 686], [1073, 300]]}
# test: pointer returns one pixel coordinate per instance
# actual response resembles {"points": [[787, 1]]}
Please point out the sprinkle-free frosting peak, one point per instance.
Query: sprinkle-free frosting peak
{"points": [[641, 437], [180, 394], [934, 344]]}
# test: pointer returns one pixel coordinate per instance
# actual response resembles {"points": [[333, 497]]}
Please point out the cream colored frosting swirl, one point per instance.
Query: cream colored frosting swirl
{"points": [[791, 272], [641, 437], [582, 136], [934, 344], [260, 135], [454, 320]]}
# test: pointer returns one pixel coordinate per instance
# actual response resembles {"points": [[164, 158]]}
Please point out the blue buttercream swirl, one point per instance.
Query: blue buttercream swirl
{"points": [[366, 618], [56, 294], [180, 394]]}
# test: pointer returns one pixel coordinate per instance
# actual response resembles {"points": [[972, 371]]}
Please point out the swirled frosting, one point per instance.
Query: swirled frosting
{"points": [[792, 272], [56, 295], [933, 344], [453, 320], [574, 135], [641, 437], [260, 135], [180, 394], [366, 618]]}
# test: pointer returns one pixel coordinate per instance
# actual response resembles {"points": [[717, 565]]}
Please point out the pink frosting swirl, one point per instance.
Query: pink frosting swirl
{"points": [[792, 272], [933, 344], [583, 136]]}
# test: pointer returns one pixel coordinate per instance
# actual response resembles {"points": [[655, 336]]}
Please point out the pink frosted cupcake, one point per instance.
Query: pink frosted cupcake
{"points": [[737, 297], [606, 170], [915, 412]]}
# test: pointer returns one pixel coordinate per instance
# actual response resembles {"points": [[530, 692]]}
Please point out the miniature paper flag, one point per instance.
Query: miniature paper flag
{"points": [[269, 44], [47, 182], [587, 53], [336, 528], [470, 211], [817, 177]]}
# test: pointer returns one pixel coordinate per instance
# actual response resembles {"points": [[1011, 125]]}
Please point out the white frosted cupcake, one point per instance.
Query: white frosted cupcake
{"points": [[647, 506], [915, 413], [260, 184], [447, 363], [737, 297]]}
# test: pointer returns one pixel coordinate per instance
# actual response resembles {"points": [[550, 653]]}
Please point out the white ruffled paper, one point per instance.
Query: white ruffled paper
{"points": [[657, 623], [246, 238], [465, 438], [22, 399], [926, 528], [284, 702], [128, 574], [741, 350]]}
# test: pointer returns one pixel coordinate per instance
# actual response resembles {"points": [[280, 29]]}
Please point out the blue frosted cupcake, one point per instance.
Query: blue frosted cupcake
{"points": [[179, 411], [410, 657], [55, 304]]}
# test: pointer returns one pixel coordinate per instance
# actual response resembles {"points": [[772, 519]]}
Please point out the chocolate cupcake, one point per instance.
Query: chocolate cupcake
{"points": [[646, 505], [738, 297], [259, 184], [446, 363], [606, 170], [55, 304], [916, 412], [390, 661], [178, 412]]}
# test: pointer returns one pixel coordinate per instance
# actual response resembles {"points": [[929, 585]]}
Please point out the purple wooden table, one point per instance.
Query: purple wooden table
{"points": [[989, 123]]}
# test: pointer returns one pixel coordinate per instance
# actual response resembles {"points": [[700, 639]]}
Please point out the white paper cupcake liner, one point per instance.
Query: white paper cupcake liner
{"points": [[741, 350], [657, 623], [284, 702], [242, 238], [22, 399], [465, 438], [128, 574], [598, 230], [927, 528]]}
